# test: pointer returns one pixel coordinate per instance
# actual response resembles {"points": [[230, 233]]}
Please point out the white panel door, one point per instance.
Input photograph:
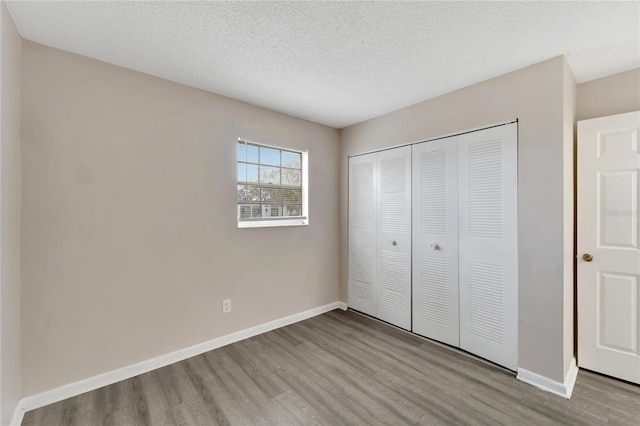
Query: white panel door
{"points": [[488, 272], [362, 233], [608, 246], [394, 237], [435, 240]]}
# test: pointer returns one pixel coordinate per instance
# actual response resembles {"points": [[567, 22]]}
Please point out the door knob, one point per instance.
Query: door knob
{"points": [[587, 257], [394, 242], [434, 246]]}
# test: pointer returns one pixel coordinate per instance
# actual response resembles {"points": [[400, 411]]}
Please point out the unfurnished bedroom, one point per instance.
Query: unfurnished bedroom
{"points": [[328, 213]]}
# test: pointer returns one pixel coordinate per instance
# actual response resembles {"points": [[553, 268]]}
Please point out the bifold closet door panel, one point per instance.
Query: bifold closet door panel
{"points": [[435, 240], [488, 244], [394, 237], [362, 233]]}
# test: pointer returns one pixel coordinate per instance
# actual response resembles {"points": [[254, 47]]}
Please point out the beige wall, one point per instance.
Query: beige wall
{"points": [[534, 95], [10, 59], [615, 94], [129, 220]]}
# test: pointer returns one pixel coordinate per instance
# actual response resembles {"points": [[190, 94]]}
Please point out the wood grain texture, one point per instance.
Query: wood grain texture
{"points": [[340, 368]]}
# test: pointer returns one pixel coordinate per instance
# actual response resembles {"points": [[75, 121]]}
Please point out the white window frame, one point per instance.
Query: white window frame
{"points": [[302, 220]]}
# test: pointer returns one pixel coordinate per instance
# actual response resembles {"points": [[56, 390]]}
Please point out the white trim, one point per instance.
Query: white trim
{"points": [[561, 389], [271, 223], [72, 389], [274, 146]]}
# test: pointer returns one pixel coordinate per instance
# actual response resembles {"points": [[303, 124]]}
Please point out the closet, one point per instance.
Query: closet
{"points": [[380, 235], [456, 282]]}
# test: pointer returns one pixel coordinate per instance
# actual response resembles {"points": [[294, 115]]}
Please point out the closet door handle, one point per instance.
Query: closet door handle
{"points": [[394, 242], [434, 246]]}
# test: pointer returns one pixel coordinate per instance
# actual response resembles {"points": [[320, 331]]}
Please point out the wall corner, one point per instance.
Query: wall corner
{"points": [[569, 93], [10, 188]]}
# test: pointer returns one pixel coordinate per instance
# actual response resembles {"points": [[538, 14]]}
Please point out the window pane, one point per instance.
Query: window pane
{"points": [[270, 175], [269, 182], [242, 151], [255, 212], [252, 173], [271, 210], [248, 193], [252, 154], [273, 195], [242, 172], [248, 211], [292, 196], [291, 159], [291, 177], [244, 212], [292, 210], [269, 156]]}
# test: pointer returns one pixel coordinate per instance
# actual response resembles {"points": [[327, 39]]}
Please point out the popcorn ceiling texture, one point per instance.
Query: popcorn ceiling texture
{"points": [[338, 63]]}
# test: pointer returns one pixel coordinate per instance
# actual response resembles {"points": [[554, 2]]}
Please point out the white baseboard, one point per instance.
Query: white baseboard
{"points": [[561, 389], [72, 389]]}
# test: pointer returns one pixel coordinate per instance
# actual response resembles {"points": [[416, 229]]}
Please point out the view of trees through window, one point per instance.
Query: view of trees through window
{"points": [[269, 182]]}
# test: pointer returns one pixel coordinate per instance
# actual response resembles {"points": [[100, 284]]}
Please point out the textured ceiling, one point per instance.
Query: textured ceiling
{"points": [[338, 63]]}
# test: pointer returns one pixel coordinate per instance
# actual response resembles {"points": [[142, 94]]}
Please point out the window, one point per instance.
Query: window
{"points": [[272, 186]]}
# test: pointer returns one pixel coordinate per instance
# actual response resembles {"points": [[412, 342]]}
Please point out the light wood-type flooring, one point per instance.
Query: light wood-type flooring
{"points": [[336, 369]]}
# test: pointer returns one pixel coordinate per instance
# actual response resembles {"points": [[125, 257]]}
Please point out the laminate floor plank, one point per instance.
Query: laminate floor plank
{"points": [[268, 382], [253, 401], [409, 351], [384, 403], [347, 407], [438, 403], [406, 360], [376, 328], [150, 401], [404, 409], [341, 368], [307, 384], [314, 396], [299, 411], [363, 352], [358, 356], [185, 403], [222, 406], [81, 410], [51, 415]]}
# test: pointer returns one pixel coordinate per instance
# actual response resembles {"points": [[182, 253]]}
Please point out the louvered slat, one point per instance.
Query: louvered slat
{"points": [[433, 192], [435, 290], [486, 189], [362, 266], [393, 194], [393, 279], [486, 284], [362, 208]]}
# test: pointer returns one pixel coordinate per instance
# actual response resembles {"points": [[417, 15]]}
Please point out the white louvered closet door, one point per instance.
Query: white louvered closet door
{"points": [[394, 237], [435, 240], [362, 233], [488, 244]]}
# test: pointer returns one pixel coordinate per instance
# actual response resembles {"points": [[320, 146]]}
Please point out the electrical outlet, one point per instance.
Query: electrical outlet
{"points": [[226, 306]]}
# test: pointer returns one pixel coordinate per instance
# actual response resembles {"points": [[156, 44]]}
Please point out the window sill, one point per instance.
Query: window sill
{"points": [[273, 223]]}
